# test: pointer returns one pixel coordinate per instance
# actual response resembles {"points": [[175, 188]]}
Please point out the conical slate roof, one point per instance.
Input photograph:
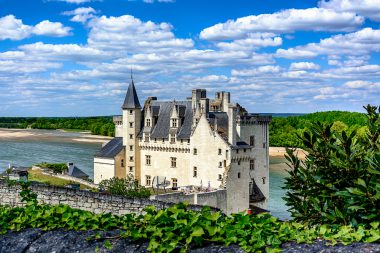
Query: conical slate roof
{"points": [[131, 100]]}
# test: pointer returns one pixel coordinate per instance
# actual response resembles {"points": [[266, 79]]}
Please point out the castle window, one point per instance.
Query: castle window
{"points": [[220, 151], [174, 182], [130, 147], [173, 162], [147, 180], [163, 140], [146, 137], [147, 159], [245, 150], [131, 124], [225, 163], [220, 177], [130, 112], [264, 180], [195, 172], [264, 145], [220, 164], [239, 162], [130, 169], [252, 141], [188, 141], [131, 136], [131, 158], [172, 138], [148, 122], [195, 151], [238, 174], [122, 162], [237, 151], [252, 164], [174, 122], [155, 139]]}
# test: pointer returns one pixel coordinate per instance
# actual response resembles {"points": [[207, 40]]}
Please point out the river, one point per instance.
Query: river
{"points": [[60, 147]]}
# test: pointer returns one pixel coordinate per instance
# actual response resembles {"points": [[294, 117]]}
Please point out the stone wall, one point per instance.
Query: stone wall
{"points": [[85, 200]]}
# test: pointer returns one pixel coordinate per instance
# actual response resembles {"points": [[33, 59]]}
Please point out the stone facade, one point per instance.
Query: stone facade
{"points": [[202, 142], [84, 200]]}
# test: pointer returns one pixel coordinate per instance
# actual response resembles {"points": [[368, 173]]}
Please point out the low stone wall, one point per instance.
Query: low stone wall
{"points": [[216, 199], [85, 200]]}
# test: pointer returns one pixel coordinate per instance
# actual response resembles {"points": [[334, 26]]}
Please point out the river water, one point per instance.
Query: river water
{"points": [[60, 149]]}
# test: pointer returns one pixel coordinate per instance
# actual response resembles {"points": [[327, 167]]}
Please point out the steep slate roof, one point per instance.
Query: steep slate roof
{"points": [[131, 100], [163, 110], [111, 149], [74, 171], [221, 122]]}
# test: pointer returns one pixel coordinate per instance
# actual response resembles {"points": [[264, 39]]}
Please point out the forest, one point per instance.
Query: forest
{"points": [[97, 125], [283, 131]]}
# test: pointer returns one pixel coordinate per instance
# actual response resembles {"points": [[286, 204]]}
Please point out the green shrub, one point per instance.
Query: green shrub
{"points": [[339, 182], [128, 187], [55, 167]]}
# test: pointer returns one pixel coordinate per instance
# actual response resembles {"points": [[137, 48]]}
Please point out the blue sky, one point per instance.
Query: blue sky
{"points": [[73, 57]]}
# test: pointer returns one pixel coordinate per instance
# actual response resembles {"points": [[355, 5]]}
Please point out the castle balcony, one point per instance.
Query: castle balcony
{"points": [[164, 147]]}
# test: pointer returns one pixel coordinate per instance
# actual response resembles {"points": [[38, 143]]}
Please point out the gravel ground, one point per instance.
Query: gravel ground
{"points": [[60, 241]]}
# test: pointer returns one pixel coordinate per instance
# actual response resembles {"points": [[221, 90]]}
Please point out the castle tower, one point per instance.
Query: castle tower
{"points": [[131, 128]]}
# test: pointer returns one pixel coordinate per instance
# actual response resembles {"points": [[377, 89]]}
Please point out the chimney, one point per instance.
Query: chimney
{"points": [[232, 114]]}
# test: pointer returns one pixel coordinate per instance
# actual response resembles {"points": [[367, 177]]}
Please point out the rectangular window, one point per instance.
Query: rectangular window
{"points": [[220, 151], [131, 136], [147, 180], [245, 150], [252, 164], [238, 174], [174, 122], [220, 177], [188, 141], [146, 137], [195, 172], [148, 122], [195, 151], [252, 141], [172, 138], [131, 124], [130, 169], [130, 112], [163, 140], [147, 159], [237, 151], [220, 164], [122, 162], [173, 162], [174, 182], [131, 158], [264, 145], [239, 162], [130, 147]]}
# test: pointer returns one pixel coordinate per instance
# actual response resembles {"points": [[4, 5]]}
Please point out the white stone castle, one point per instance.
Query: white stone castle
{"points": [[200, 142]]}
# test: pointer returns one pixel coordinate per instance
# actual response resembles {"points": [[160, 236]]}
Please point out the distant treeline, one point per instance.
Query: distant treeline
{"points": [[97, 125], [283, 131]]}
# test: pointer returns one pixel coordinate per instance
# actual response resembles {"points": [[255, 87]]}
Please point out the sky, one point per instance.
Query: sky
{"points": [[74, 57]]}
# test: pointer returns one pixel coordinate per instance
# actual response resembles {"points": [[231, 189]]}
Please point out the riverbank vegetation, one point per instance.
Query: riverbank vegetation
{"points": [[284, 131], [96, 125]]}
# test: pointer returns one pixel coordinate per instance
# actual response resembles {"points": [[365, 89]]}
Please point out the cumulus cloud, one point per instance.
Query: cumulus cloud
{"points": [[304, 65], [366, 8], [81, 15], [290, 20], [14, 29], [76, 1], [252, 42], [131, 34], [160, 1], [361, 42]]}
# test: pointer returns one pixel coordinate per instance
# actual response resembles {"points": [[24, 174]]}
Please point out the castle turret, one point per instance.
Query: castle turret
{"points": [[131, 128]]}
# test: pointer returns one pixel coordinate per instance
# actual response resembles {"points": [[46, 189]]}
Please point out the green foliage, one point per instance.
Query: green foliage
{"points": [[97, 125], [55, 167], [339, 182], [128, 187], [283, 131]]}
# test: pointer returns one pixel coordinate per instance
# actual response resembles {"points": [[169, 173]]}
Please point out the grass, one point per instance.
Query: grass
{"points": [[37, 176]]}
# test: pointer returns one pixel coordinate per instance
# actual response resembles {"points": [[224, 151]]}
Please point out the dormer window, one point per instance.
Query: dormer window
{"points": [[174, 123], [148, 122], [172, 138]]}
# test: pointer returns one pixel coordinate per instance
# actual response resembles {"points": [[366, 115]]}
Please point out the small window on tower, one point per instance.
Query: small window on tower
{"points": [[122, 162], [148, 159], [130, 147], [195, 172], [130, 112], [148, 122], [220, 151], [220, 177], [131, 136], [173, 162], [131, 124], [131, 158], [147, 180], [220, 164], [172, 138], [174, 122], [252, 164], [195, 151], [238, 174], [252, 141], [130, 169]]}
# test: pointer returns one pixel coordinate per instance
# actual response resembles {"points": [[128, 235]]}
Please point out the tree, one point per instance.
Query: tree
{"points": [[128, 187], [339, 182]]}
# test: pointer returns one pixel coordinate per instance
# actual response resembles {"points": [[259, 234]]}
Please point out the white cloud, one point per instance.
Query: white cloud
{"points": [[313, 19], [76, 1], [304, 65], [358, 43], [160, 1], [131, 34], [357, 84], [253, 41], [366, 8], [269, 69], [81, 15], [14, 29]]}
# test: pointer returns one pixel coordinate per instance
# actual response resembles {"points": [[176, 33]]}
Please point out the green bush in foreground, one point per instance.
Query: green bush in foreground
{"points": [[339, 182], [177, 228]]}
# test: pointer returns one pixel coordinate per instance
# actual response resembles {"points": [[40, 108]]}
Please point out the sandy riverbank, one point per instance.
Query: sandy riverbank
{"points": [[280, 152], [36, 134]]}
